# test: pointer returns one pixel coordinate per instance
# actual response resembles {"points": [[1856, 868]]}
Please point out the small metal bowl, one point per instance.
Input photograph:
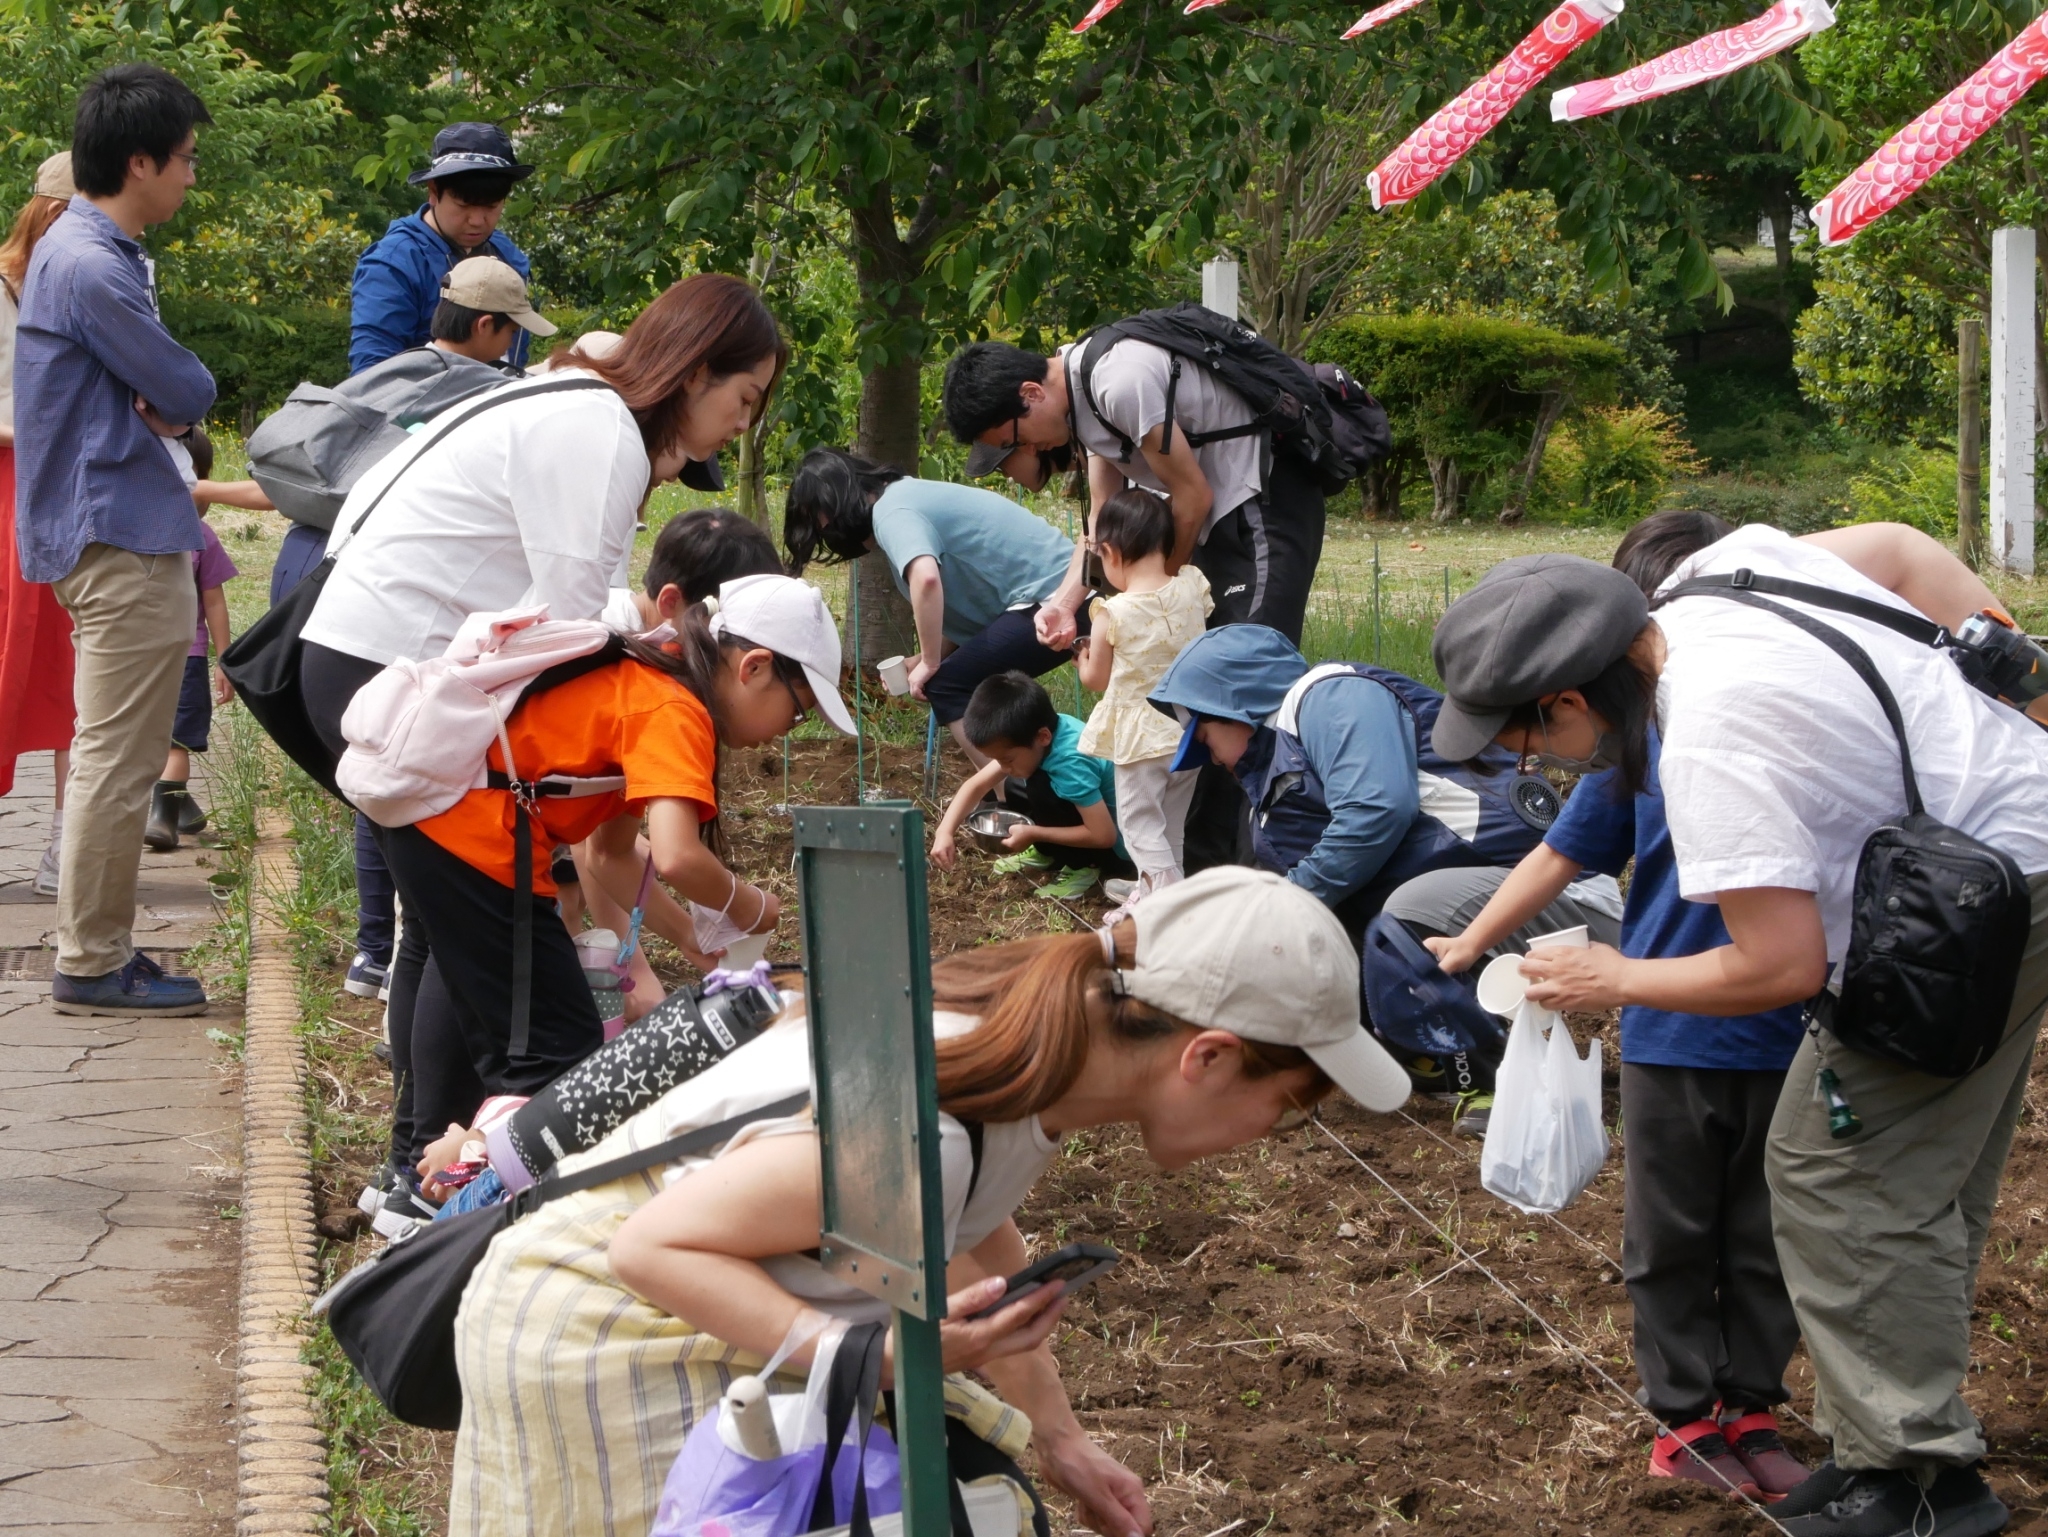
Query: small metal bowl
{"points": [[989, 827]]}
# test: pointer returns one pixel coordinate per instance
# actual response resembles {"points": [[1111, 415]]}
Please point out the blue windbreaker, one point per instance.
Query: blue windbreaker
{"points": [[397, 283]]}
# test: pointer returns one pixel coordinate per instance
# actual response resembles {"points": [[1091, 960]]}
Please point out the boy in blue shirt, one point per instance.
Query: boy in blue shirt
{"points": [[1036, 767], [1714, 1327]]}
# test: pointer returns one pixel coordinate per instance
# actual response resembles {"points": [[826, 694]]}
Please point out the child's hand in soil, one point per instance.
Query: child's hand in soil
{"points": [[1020, 837], [945, 852]]}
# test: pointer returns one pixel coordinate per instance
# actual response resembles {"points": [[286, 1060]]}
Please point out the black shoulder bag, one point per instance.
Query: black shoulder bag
{"points": [[1938, 920], [394, 1314], [263, 661]]}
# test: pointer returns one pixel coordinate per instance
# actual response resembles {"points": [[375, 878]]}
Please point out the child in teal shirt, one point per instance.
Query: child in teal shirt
{"points": [[1036, 767]]}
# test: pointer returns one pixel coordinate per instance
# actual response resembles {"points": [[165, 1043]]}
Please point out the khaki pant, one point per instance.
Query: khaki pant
{"points": [[1879, 1234], [134, 617]]}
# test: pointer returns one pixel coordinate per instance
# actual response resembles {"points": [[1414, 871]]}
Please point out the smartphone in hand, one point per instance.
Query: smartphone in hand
{"points": [[1070, 1268]]}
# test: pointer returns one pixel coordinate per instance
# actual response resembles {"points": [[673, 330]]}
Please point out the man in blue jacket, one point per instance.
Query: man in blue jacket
{"points": [[103, 514], [1350, 802], [398, 280], [392, 298]]}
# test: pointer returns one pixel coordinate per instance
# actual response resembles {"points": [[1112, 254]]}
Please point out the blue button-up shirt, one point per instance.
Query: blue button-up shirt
{"points": [[88, 469]]}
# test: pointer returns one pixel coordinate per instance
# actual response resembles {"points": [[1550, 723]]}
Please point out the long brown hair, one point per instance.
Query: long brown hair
{"points": [[710, 322], [30, 225], [1033, 997]]}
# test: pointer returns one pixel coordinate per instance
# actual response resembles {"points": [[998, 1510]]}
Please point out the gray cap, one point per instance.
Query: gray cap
{"points": [[986, 458], [1534, 625]]}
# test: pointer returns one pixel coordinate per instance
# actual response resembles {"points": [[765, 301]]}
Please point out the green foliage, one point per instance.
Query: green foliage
{"points": [[258, 352], [1614, 465], [1467, 389], [1877, 350], [1916, 486]]}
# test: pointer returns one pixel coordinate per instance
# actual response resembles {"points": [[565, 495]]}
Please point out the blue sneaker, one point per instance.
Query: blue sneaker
{"points": [[367, 978], [139, 988]]}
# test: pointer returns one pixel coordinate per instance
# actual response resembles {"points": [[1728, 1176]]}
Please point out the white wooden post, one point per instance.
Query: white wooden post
{"points": [[1219, 286], [2012, 399]]}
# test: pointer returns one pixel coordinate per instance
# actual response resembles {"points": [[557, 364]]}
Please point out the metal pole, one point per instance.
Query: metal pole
{"points": [[931, 756], [1970, 440], [860, 782], [921, 1433], [1376, 603], [2013, 344], [1447, 589]]}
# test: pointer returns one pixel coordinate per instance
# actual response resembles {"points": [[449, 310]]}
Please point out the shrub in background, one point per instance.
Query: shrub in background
{"points": [[1614, 464]]}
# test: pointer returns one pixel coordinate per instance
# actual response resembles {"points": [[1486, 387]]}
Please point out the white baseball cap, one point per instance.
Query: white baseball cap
{"points": [[790, 618], [1245, 951]]}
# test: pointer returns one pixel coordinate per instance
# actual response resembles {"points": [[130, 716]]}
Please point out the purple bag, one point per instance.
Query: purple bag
{"points": [[715, 1491]]}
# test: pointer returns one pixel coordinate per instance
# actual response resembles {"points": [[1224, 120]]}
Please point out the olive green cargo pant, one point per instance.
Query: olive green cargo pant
{"points": [[1879, 1234]]}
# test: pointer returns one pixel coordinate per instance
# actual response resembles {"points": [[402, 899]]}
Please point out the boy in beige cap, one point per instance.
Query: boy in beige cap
{"points": [[484, 306]]}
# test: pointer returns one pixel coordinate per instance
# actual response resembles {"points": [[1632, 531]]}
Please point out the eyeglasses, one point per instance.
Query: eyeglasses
{"points": [[190, 157], [789, 672]]}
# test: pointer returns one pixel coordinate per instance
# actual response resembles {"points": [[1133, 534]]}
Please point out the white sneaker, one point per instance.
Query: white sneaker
{"points": [[1119, 891], [395, 1225], [45, 884]]}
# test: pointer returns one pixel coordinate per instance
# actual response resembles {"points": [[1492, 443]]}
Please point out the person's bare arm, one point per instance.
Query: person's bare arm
{"points": [[1916, 567], [1097, 831], [1054, 620], [1778, 955], [1187, 489], [694, 1251], [928, 607], [978, 784], [1093, 660], [1104, 481], [246, 494], [1531, 886], [1111, 1497]]}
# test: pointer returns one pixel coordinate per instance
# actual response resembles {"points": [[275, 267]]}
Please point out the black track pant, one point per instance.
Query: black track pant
{"points": [[468, 919], [1713, 1320], [1037, 799]]}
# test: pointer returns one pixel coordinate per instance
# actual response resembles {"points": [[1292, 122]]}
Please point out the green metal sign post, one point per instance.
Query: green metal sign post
{"points": [[867, 964]]}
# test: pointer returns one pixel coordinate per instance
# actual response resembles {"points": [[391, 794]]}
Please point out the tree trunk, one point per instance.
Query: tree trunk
{"points": [[1547, 416], [751, 492], [1969, 439], [1381, 485], [1444, 482], [888, 435]]}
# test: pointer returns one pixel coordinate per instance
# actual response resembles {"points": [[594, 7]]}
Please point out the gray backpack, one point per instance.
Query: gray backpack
{"points": [[310, 451]]}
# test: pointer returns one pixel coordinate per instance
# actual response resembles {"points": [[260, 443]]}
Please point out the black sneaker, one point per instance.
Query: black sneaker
{"points": [[1818, 1487], [1891, 1503]]}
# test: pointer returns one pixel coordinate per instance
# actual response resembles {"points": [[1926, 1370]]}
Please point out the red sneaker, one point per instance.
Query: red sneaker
{"points": [[1753, 1438], [1700, 1453]]}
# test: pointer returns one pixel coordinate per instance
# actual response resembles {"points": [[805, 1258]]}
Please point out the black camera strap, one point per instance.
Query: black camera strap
{"points": [[1911, 625]]}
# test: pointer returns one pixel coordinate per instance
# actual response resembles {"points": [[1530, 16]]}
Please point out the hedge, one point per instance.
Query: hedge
{"points": [[1473, 398], [258, 354]]}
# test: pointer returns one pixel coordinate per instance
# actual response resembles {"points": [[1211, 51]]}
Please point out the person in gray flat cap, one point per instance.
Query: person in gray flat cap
{"points": [[1777, 764]]}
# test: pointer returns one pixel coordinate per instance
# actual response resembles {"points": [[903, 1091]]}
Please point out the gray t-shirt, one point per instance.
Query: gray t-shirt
{"points": [[1129, 384]]}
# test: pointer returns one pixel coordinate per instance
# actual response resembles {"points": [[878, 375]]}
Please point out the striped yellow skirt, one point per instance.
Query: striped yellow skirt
{"points": [[577, 1395]]}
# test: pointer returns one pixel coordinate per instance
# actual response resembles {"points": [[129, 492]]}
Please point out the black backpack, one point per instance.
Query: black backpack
{"points": [[1316, 412]]}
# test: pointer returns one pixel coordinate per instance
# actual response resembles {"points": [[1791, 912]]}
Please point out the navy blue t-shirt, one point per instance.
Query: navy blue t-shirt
{"points": [[1600, 827]]}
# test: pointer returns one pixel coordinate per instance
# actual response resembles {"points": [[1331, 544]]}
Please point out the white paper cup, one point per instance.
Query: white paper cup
{"points": [[1502, 985], [1570, 939], [895, 671], [741, 954]]}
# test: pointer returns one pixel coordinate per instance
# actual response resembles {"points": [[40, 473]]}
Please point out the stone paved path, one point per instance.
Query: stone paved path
{"points": [[119, 1144]]}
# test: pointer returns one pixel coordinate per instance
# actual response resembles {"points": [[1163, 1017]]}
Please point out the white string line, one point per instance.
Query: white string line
{"points": [[1553, 1219], [1548, 1328]]}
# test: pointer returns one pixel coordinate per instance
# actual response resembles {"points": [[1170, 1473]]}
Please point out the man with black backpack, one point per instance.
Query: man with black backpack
{"points": [[1244, 440]]}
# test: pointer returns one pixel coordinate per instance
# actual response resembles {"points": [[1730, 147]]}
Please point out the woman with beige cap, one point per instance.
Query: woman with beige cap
{"points": [[1223, 1009], [36, 709], [1778, 764]]}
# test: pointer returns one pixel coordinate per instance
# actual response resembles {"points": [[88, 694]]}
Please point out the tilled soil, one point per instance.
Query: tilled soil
{"points": [[1289, 1347]]}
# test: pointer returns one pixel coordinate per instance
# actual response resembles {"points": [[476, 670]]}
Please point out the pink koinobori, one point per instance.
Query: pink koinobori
{"points": [[1383, 13], [1934, 138], [1100, 9], [1468, 117], [1707, 58]]}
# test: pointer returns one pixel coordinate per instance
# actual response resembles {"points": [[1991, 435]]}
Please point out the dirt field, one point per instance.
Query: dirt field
{"points": [[1287, 1348]]}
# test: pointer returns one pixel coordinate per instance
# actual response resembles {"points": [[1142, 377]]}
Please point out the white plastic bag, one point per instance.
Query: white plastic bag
{"points": [[1544, 1141]]}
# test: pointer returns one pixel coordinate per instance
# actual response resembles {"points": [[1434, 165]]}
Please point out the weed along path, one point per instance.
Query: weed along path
{"points": [[119, 1141]]}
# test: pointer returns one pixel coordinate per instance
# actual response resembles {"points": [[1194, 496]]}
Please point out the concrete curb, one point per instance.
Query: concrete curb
{"points": [[281, 1485]]}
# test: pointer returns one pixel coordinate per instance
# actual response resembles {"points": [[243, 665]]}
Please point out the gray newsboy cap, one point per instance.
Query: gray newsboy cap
{"points": [[1534, 624]]}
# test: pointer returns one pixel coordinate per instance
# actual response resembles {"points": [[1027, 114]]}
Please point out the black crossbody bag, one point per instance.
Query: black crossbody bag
{"points": [[394, 1314], [263, 661], [1938, 919]]}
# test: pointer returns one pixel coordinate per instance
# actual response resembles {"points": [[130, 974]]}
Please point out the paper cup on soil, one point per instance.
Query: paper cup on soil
{"points": [[895, 673], [741, 954]]}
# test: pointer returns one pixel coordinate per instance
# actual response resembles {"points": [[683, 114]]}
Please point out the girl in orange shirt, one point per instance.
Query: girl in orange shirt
{"points": [[655, 717]]}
